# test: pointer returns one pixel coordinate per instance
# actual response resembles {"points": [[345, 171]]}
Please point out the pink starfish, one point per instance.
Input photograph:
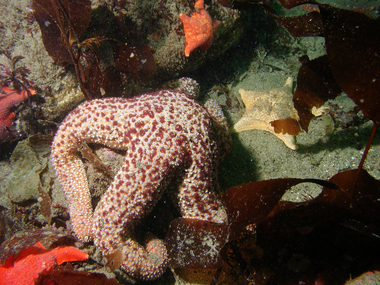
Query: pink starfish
{"points": [[173, 143]]}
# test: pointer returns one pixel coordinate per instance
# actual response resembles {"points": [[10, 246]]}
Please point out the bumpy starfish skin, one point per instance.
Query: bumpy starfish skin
{"points": [[171, 142]]}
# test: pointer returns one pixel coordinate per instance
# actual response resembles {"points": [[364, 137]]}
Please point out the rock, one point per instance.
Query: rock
{"points": [[23, 182], [157, 24], [135, 23]]}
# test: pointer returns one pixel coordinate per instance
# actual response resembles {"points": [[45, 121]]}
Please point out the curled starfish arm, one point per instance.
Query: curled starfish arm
{"points": [[69, 168], [135, 189], [145, 262]]}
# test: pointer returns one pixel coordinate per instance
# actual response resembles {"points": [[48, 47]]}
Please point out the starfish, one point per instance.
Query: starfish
{"points": [[170, 140], [199, 28], [36, 260], [8, 99], [266, 108]]}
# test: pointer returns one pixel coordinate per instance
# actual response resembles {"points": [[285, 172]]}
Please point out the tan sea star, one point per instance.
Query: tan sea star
{"points": [[172, 142], [265, 107]]}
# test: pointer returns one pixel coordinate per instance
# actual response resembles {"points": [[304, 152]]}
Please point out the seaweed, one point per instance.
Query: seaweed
{"points": [[267, 240], [14, 76], [315, 85], [350, 205], [309, 231], [63, 23], [351, 63], [334, 236], [14, 88]]}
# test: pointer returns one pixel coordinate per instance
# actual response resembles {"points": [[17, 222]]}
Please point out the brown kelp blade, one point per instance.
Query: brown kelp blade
{"points": [[311, 233], [250, 203], [135, 62], [352, 54], [315, 85], [61, 22], [286, 126], [362, 192], [353, 50], [308, 25], [147, 64], [51, 33]]}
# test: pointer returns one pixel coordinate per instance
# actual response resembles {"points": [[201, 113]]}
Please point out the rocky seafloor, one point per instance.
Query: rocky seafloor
{"points": [[259, 55]]}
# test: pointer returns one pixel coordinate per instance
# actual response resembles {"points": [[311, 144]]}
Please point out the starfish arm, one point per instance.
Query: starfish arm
{"points": [[148, 262], [70, 172], [215, 25], [199, 4], [288, 140], [289, 83], [247, 123], [195, 198], [206, 45], [12, 98], [7, 120], [69, 167], [198, 30], [136, 188], [249, 98]]}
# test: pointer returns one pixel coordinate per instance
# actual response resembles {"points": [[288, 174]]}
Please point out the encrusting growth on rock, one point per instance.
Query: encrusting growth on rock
{"points": [[170, 140]]}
